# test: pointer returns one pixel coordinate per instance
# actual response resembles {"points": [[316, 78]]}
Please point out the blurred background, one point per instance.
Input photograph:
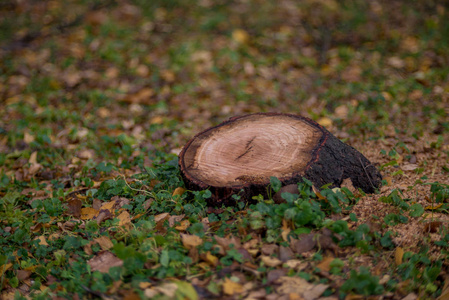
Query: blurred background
{"points": [[89, 81]]}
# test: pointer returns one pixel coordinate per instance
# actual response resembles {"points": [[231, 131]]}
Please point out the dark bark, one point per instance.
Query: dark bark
{"points": [[331, 161]]}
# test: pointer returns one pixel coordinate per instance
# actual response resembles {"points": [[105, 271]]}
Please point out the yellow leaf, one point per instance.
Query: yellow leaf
{"points": [[88, 213], [144, 285], [317, 193], [178, 191], [433, 207], [156, 120], [5, 268], [211, 259], [230, 287], [184, 225], [109, 206], [325, 121], [398, 254], [124, 218], [240, 36], [191, 241]]}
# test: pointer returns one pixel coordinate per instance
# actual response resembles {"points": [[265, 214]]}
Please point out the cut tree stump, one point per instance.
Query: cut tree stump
{"points": [[239, 156]]}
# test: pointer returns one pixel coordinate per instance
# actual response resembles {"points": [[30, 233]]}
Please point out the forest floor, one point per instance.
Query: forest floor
{"points": [[97, 98]]}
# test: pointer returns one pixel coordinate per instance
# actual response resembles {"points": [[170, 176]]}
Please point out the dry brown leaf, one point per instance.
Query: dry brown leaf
{"points": [[28, 138], [168, 289], [324, 265], [104, 242], [304, 244], [409, 167], [161, 217], [231, 288], [271, 261], [178, 191], [35, 166], [88, 213], [173, 219], [295, 285], [104, 261], [296, 264], [191, 241], [42, 240], [74, 207], [124, 218], [315, 292], [23, 274]]}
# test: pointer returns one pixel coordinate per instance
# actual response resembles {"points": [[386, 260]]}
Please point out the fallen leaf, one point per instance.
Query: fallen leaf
{"points": [[211, 259], [304, 244], [161, 217], [296, 264], [42, 240], [168, 289], [285, 253], [269, 249], [409, 167], [88, 213], [432, 226], [186, 290], [104, 242], [317, 193], [183, 226], [271, 261], [124, 218], [35, 166], [23, 274], [325, 121], [398, 255], [231, 288], [5, 268], [104, 261], [315, 292], [291, 188], [109, 206], [275, 274], [433, 206], [324, 265], [174, 219], [74, 207], [178, 191], [190, 241], [295, 285], [28, 138], [240, 36]]}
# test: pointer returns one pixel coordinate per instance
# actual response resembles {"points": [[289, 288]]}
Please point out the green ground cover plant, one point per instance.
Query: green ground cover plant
{"points": [[97, 98]]}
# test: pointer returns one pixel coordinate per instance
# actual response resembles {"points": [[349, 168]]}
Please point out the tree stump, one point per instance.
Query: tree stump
{"points": [[239, 156]]}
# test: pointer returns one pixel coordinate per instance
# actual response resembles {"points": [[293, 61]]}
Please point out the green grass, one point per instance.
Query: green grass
{"points": [[93, 113]]}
